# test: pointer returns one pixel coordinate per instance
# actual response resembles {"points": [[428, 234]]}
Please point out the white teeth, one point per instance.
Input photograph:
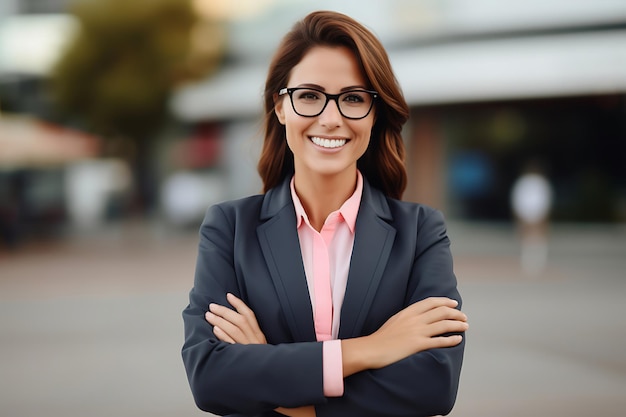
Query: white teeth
{"points": [[328, 143]]}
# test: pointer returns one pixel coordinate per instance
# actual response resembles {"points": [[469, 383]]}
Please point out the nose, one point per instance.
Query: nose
{"points": [[331, 116]]}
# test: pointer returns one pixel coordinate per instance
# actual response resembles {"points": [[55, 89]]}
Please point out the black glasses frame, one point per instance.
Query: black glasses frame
{"points": [[334, 97]]}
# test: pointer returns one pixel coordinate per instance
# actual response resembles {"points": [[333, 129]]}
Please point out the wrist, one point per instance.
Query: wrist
{"points": [[358, 354]]}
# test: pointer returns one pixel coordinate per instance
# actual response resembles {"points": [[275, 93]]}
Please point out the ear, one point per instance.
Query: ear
{"points": [[279, 108]]}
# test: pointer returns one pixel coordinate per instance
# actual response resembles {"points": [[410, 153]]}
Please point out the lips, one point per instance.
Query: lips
{"points": [[328, 143]]}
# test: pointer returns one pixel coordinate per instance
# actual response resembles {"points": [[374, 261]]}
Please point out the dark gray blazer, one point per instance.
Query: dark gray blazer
{"points": [[250, 247]]}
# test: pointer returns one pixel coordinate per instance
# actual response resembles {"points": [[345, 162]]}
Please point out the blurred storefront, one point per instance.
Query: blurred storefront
{"points": [[53, 178], [39, 163], [492, 86]]}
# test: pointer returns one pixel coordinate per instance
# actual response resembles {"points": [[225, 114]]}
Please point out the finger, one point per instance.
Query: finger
{"points": [[447, 326], [243, 309], [444, 341], [231, 316], [246, 328], [231, 329], [239, 305], [443, 313], [431, 303], [247, 312], [221, 335], [222, 311]]}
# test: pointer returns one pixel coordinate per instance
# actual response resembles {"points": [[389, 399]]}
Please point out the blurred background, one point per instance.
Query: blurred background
{"points": [[121, 121]]}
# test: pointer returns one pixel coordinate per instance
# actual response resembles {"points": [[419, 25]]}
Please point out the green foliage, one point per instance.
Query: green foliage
{"points": [[118, 73]]}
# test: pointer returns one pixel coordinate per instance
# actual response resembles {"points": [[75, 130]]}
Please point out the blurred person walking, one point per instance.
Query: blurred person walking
{"points": [[531, 200], [326, 295]]}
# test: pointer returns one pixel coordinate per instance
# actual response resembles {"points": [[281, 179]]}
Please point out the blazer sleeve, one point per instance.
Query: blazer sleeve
{"points": [[234, 378], [424, 384]]}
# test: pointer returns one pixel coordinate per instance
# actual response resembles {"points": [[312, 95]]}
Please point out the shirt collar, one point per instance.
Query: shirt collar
{"points": [[348, 210]]}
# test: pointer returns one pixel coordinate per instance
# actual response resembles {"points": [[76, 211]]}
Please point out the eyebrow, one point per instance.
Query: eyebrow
{"points": [[319, 87]]}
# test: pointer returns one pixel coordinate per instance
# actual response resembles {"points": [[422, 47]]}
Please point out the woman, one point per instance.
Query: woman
{"points": [[326, 295]]}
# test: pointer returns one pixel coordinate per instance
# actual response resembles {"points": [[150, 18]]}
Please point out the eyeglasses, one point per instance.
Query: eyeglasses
{"points": [[309, 102]]}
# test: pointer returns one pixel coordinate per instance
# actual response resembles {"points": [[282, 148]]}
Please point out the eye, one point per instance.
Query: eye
{"points": [[354, 97], [308, 95]]}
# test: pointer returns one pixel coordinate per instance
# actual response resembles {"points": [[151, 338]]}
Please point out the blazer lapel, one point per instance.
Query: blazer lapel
{"points": [[373, 241], [280, 245]]}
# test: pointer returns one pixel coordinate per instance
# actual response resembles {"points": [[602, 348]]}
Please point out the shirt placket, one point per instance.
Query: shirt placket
{"points": [[322, 282]]}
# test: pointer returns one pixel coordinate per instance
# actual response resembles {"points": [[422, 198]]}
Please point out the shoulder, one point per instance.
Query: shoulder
{"points": [[254, 208], [409, 219], [420, 214], [420, 226], [232, 211], [404, 216], [244, 203], [408, 208], [394, 210], [418, 222]]}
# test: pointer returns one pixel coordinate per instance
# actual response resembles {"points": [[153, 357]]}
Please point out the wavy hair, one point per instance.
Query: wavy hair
{"points": [[383, 161]]}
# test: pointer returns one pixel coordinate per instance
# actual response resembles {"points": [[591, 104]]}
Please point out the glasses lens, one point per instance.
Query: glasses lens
{"points": [[308, 102], [355, 104]]}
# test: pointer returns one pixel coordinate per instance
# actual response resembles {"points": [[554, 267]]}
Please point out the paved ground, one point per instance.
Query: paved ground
{"points": [[91, 326]]}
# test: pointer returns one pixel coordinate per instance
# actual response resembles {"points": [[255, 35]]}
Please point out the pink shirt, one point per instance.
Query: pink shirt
{"points": [[326, 256]]}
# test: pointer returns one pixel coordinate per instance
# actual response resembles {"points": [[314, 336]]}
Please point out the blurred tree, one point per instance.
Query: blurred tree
{"points": [[117, 75]]}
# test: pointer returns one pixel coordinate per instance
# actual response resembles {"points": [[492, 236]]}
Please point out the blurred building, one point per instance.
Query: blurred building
{"points": [[38, 157], [492, 85], [36, 6], [33, 33]]}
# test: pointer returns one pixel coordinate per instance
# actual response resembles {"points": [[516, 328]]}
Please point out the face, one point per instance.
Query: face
{"points": [[328, 144]]}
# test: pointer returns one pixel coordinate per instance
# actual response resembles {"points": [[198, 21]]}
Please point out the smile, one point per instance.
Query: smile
{"points": [[328, 143]]}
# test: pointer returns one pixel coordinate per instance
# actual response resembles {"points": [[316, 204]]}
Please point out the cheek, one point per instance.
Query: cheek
{"points": [[364, 146], [364, 131], [294, 132], [295, 124]]}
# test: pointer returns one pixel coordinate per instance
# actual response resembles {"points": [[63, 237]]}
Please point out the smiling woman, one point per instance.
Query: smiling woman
{"points": [[326, 295], [316, 122]]}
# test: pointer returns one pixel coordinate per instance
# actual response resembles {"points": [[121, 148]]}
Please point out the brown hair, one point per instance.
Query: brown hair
{"points": [[383, 161]]}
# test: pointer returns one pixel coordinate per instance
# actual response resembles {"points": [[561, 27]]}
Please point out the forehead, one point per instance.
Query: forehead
{"points": [[330, 67]]}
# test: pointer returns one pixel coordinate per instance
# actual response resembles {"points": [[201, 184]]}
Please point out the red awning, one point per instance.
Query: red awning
{"points": [[28, 142]]}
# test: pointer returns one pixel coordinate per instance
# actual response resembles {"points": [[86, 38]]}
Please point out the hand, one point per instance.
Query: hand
{"points": [[235, 326], [241, 326], [418, 327]]}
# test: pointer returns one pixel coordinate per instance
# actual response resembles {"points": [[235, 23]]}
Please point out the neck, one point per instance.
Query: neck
{"points": [[321, 195]]}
